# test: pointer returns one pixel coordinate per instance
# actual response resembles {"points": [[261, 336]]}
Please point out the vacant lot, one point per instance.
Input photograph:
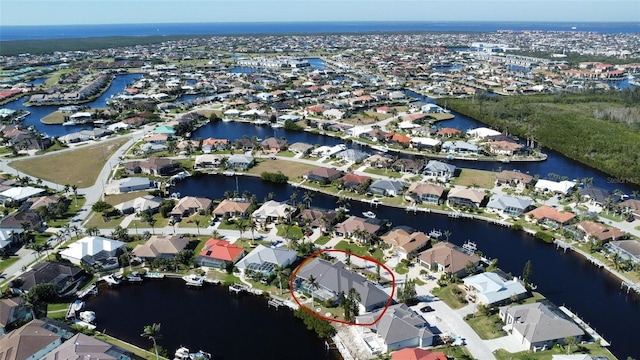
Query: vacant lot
{"points": [[293, 170], [476, 178], [80, 166]]}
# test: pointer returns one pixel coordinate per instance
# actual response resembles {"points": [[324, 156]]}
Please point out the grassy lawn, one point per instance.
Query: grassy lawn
{"points": [[401, 268], [160, 223], [97, 220], [322, 240], [359, 250], [134, 349], [295, 232], [55, 117], [223, 276], [287, 153], [120, 198], [383, 172], [455, 301], [57, 311], [74, 167], [8, 262], [487, 327], [612, 216], [291, 169], [480, 178], [71, 212], [190, 222], [591, 349]]}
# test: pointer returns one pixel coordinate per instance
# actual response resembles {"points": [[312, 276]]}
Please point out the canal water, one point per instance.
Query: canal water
{"points": [[565, 278], [229, 327]]}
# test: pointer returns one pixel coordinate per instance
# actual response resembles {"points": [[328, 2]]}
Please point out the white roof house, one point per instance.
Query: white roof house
{"points": [[19, 193], [561, 187], [425, 141], [265, 259], [5, 236], [92, 249], [490, 288], [272, 210], [483, 132]]}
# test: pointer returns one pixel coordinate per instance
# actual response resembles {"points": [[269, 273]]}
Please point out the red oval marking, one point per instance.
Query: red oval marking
{"points": [[309, 311]]}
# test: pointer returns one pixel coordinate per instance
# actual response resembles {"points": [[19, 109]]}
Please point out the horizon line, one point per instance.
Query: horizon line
{"points": [[344, 22]]}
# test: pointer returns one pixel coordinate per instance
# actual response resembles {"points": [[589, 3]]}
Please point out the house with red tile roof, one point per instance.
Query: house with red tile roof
{"points": [[448, 257], [353, 181], [418, 354], [594, 230], [397, 139], [548, 215], [449, 132], [216, 253]]}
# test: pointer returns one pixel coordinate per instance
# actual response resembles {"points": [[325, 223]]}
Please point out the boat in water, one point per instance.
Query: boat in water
{"points": [[183, 354], [134, 277], [87, 316], [193, 280], [369, 214], [69, 123], [154, 275]]}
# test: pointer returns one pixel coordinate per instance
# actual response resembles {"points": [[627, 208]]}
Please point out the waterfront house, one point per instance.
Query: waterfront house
{"points": [[240, 162], [317, 218], [273, 211], [387, 187], [146, 203], [208, 161], [13, 312], [493, 289], [425, 193], [406, 240], [211, 144], [556, 187], [465, 197], [161, 247], [94, 251], [333, 279], [300, 148], [549, 216], [538, 327], [448, 132], [159, 166], [482, 132], [266, 259], [408, 165], [460, 147], [439, 169], [31, 341], [514, 179], [353, 182], [354, 224], [217, 253], [65, 276], [424, 143], [507, 148], [418, 354], [598, 196], [626, 249], [322, 174], [449, 258], [231, 208], [506, 205], [594, 231], [190, 205], [82, 346], [129, 184], [273, 144], [399, 327]]}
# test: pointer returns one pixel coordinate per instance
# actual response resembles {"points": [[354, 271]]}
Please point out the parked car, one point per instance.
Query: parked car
{"points": [[426, 309]]}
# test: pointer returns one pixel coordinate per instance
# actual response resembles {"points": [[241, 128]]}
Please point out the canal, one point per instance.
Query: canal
{"points": [[230, 327], [564, 278]]}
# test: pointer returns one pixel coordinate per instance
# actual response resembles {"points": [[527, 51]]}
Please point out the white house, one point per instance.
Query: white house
{"points": [[94, 251], [489, 288], [272, 211], [19, 193], [482, 132], [561, 187], [398, 328], [265, 259]]}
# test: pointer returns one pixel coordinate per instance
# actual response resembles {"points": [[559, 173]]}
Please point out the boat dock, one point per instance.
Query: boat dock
{"points": [[275, 303], [237, 289], [586, 327], [91, 290]]}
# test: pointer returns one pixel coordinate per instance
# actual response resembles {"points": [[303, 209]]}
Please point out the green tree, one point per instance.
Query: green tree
{"points": [[152, 332], [313, 285], [527, 271], [407, 292]]}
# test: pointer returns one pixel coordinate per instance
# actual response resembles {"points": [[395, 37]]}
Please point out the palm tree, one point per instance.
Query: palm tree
{"points": [[313, 284], [307, 197], [152, 221], [197, 222], [76, 230], [253, 226], [92, 231], [153, 332], [173, 223], [66, 188], [74, 188], [242, 227], [446, 234]]}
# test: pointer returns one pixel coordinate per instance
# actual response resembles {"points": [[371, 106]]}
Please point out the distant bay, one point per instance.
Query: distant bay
{"points": [[39, 32]]}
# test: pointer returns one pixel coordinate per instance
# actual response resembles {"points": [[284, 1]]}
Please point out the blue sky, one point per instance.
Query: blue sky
{"points": [[69, 12]]}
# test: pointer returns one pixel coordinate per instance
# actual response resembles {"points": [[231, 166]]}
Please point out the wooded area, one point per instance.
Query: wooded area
{"points": [[599, 129]]}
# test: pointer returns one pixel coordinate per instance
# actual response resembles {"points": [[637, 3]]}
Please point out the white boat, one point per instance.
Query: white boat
{"points": [[193, 280], [505, 160], [87, 316], [380, 148], [229, 173], [369, 214], [134, 277], [261, 122], [342, 208], [226, 120], [77, 305], [68, 123], [276, 125], [154, 275], [110, 279], [183, 354]]}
